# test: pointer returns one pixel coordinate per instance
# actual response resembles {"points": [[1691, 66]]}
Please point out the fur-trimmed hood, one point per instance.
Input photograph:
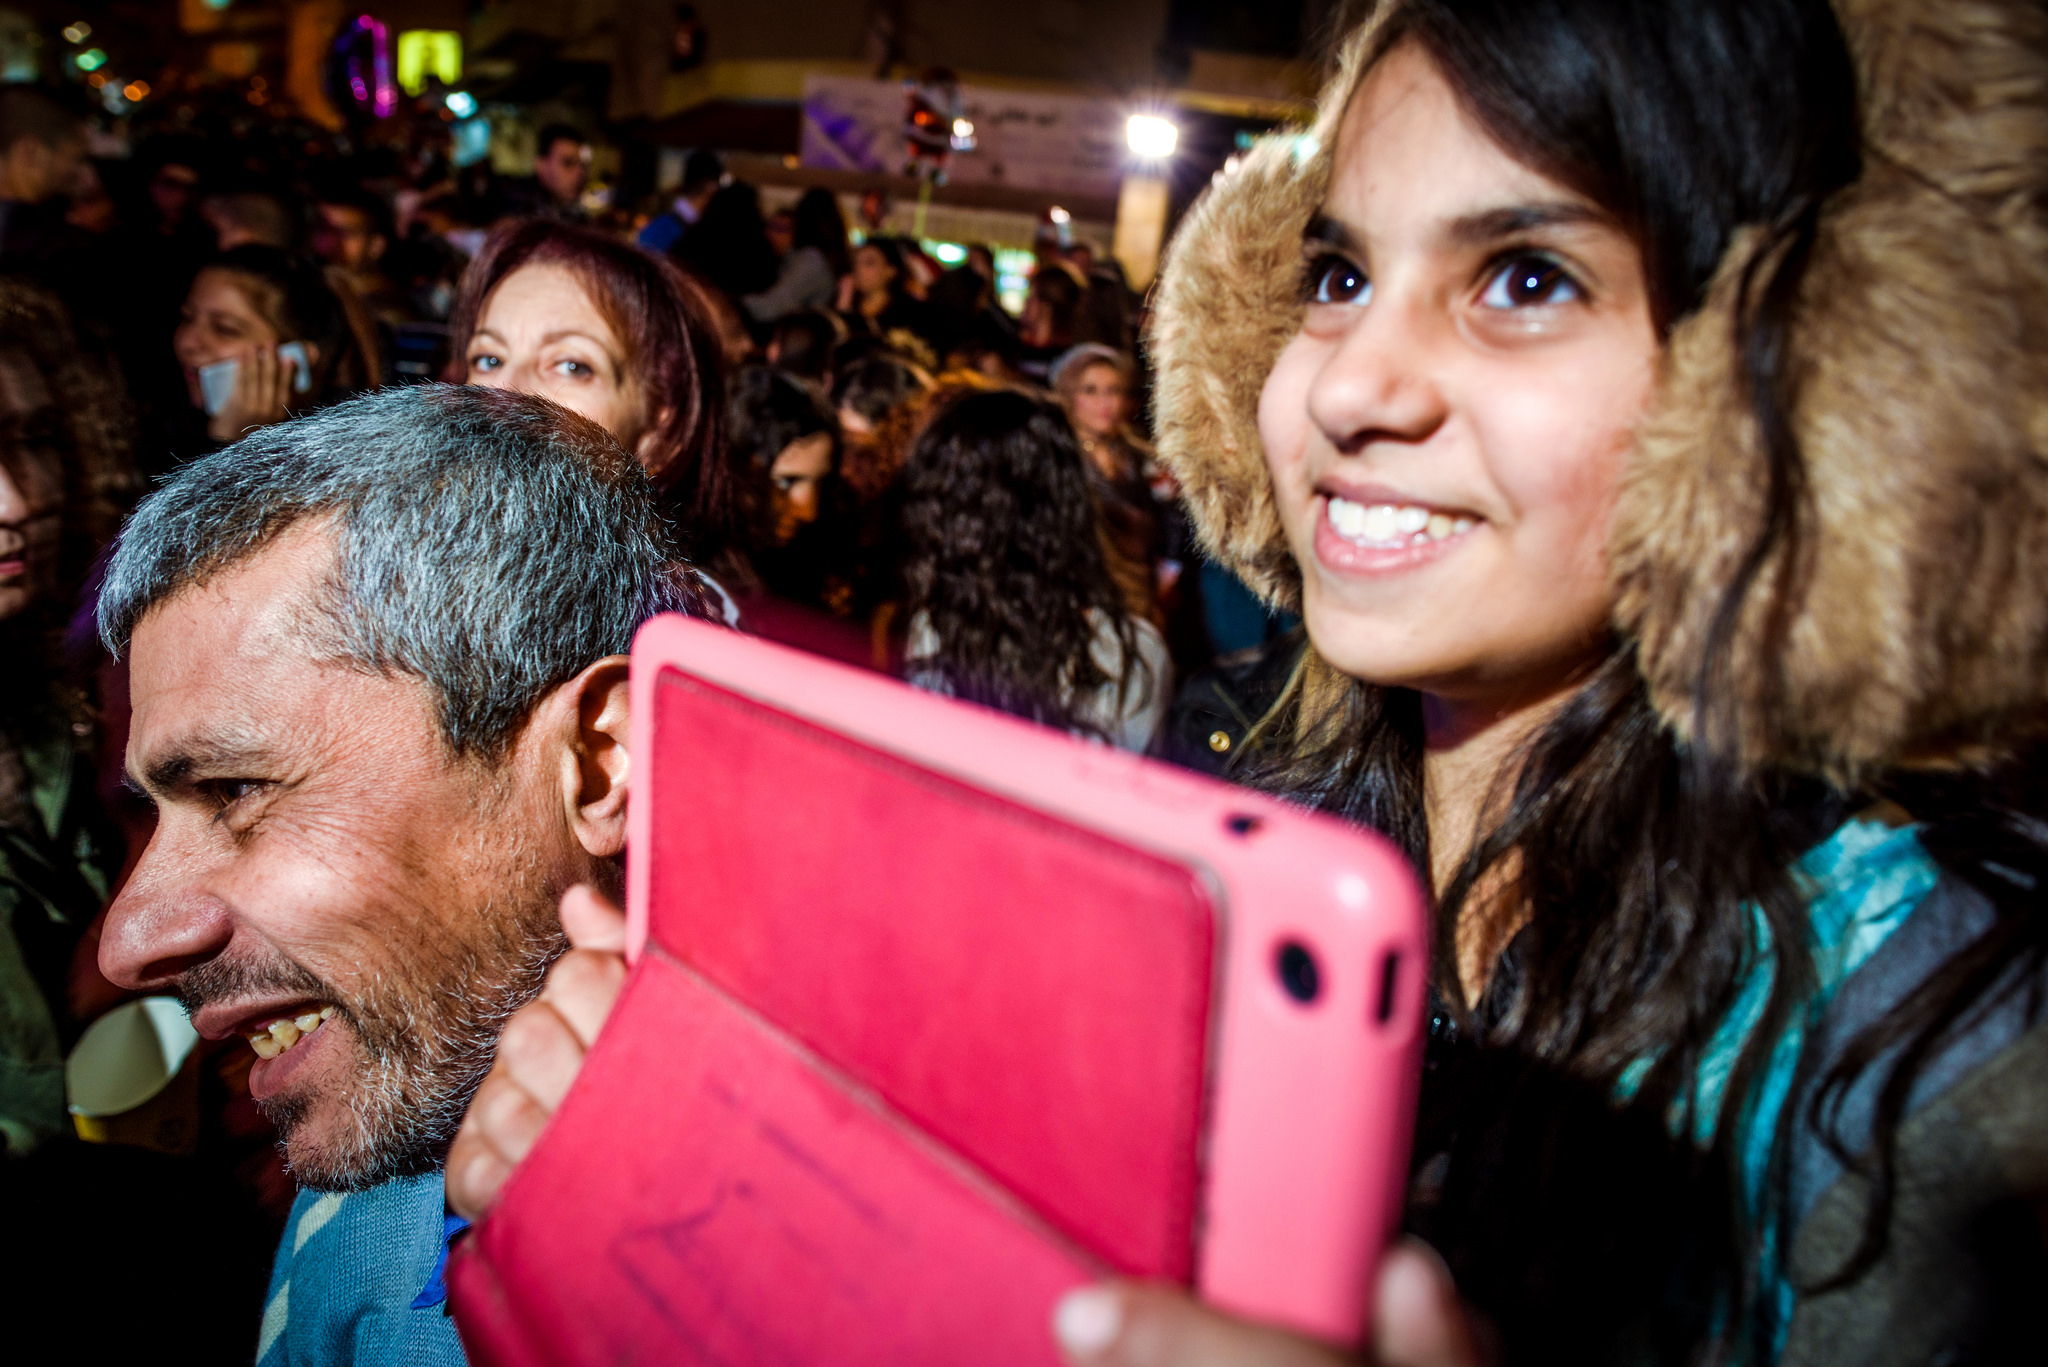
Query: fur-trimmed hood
{"points": [[1915, 622]]}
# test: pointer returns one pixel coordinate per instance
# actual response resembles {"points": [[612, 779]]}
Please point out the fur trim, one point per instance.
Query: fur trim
{"points": [[1914, 626], [1229, 299]]}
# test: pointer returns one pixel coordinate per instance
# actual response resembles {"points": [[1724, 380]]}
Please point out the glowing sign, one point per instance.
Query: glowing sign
{"points": [[424, 52], [364, 49]]}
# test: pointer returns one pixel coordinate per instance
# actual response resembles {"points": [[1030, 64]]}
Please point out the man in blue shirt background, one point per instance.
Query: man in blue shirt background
{"points": [[703, 173]]}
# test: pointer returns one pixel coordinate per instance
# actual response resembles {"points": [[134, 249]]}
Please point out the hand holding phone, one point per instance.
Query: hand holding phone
{"points": [[253, 391], [540, 1053], [1025, 1016]]}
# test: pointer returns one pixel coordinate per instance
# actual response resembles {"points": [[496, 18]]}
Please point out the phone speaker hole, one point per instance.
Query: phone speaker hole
{"points": [[1390, 973]]}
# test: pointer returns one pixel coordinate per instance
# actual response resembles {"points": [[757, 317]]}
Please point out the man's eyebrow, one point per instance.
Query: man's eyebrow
{"points": [[220, 754], [1492, 225]]}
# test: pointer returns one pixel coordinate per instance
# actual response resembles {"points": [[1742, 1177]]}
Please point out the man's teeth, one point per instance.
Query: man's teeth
{"points": [[1393, 524], [281, 1034]]}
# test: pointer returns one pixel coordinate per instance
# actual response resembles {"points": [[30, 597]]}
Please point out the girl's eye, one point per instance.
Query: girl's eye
{"points": [[1334, 280], [484, 362], [574, 369], [1529, 281]]}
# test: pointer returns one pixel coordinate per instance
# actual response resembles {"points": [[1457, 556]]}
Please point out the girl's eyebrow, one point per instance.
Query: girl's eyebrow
{"points": [[1330, 232], [1477, 229], [1492, 225]]}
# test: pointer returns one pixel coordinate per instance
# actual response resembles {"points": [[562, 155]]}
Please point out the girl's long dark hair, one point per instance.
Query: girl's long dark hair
{"points": [[1002, 557], [1647, 866]]}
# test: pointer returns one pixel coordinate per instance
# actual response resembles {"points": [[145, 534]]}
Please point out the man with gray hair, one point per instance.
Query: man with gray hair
{"points": [[377, 667]]}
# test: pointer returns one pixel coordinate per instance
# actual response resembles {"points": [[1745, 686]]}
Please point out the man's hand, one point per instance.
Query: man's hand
{"points": [[539, 1054], [263, 387], [1418, 1321]]}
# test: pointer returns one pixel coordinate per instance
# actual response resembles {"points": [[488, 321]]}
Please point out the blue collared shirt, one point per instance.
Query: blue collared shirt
{"points": [[359, 1279]]}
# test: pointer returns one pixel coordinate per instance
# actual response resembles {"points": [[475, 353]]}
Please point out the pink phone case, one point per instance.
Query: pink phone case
{"points": [[935, 1014]]}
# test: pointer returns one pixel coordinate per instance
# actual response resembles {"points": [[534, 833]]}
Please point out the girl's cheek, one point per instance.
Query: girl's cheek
{"points": [[1283, 418]]}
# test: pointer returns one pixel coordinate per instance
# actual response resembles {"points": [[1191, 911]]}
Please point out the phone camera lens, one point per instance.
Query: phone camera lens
{"points": [[1300, 977]]}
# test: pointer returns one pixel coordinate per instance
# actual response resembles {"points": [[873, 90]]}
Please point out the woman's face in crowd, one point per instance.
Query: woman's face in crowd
{"points": [[218, 323], [797, 476], [872, 271], [541, 333], [31, 484], [1446, 431], [1098, 401]]}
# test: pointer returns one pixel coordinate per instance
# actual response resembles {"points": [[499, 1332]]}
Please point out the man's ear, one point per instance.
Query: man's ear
{"points": [[597, 760]]}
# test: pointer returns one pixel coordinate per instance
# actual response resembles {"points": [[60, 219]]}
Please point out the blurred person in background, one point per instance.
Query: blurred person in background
{"points": [[783, 445], [808, 277], [65, 479], [1052, 312], [781, 226], [703, 173], [251, 217], [561, 170], [1094, 385], [728, 247], [1009, 601], [1108, 311], [801, 344], [875, 296], [90, 207], [352, 232], [622, 337], [243, 307], [866, 390], [42, 146]]}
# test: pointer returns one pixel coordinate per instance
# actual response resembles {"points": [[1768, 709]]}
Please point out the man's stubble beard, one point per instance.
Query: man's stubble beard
{"points": [[425, 1032]]}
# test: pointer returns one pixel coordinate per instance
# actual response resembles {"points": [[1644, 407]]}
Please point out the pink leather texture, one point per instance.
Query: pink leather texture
{"points": [[935, 1013], [759, 1214], [989, 972]]}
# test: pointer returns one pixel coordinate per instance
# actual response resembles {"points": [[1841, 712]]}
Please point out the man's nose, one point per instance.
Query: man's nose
{"points": [[1382, 381], [160, 925]]}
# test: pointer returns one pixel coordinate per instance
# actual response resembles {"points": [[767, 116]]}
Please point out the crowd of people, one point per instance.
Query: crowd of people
{"points": [[1621, 421]]}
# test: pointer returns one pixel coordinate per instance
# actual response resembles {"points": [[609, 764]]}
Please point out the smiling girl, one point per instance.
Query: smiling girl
{"points": [[1635, 400]]}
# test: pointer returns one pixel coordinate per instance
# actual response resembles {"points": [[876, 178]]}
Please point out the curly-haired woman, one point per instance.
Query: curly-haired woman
{"points": [[1010, 601]]}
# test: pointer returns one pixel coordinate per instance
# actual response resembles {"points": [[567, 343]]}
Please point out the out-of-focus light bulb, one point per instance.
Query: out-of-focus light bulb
{"points": [[461, 103], [1151, 137]]}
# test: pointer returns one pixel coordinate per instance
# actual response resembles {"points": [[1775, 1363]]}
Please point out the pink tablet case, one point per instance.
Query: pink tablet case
{"points": [[935, 1014]]}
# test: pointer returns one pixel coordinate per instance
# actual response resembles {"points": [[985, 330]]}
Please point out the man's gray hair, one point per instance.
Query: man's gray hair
{"points": [[489, 543]]}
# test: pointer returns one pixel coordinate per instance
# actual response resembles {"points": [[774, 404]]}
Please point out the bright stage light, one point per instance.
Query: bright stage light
{"points": [[1151, 137]]}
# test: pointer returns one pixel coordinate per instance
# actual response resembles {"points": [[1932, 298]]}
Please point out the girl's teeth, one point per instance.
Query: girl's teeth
{"points": [[280, 1035], [1392, 524]]}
